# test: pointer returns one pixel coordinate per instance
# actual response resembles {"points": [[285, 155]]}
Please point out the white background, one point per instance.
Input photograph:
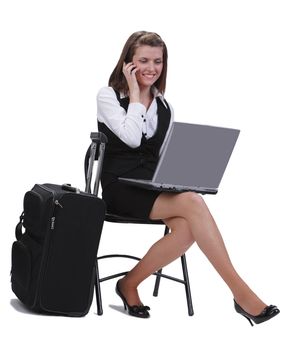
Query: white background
{"points": [[230, 64]]}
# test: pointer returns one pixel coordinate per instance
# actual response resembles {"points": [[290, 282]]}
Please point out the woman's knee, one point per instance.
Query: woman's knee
{"points": [[176, 205], [190, 201]]}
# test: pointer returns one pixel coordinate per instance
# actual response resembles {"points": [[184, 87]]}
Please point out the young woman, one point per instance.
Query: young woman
{"points": [[136, 118]]}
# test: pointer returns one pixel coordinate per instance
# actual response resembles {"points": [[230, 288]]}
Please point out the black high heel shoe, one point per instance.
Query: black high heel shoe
{"points": [[135, 310], [267, 313]]}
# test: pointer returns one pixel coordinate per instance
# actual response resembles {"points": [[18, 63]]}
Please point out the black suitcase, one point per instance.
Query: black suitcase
{"points": [[53, 260]]}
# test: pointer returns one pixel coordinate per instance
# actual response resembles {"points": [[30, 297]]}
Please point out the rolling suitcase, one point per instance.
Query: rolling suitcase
{"points": [[54, 259]]}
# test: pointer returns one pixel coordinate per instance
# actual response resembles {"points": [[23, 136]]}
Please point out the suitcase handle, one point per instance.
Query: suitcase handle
{"points": [[99, 137], [95, 152], [68, 187]]}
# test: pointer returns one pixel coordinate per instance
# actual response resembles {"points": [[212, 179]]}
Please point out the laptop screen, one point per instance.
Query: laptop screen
{"points": [[196, 155]]}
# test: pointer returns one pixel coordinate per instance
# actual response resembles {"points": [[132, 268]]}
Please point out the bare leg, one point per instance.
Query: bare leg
{"points": [[204, 231], [164, 251]]}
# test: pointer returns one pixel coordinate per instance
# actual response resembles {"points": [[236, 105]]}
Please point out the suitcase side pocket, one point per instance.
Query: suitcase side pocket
{"points": [[21, 270], [25, 267]]}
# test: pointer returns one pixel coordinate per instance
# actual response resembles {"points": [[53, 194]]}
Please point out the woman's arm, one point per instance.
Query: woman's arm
{"points": [[127, 126]]}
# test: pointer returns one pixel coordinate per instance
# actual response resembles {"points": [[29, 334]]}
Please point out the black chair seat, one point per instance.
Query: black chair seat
{"points": [[131, 220]]}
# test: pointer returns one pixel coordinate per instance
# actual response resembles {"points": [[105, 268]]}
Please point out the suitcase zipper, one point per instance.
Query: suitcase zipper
{"points": [[56, 204], [53, 218]]}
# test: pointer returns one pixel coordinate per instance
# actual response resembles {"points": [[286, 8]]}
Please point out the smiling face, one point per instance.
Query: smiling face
{"points": [[149, 61]]}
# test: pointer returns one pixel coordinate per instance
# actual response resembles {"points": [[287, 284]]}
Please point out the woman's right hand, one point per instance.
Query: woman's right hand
{"points": [[129, 70]]}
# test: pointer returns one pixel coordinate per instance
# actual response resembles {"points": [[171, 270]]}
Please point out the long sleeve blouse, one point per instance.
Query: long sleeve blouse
{"points": [[129, 126]]}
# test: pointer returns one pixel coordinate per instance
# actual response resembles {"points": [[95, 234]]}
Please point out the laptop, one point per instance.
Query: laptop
{"points": [[194, 159]]}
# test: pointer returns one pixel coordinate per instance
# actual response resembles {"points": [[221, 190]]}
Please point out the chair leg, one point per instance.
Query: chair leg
{"points": [[187, 285], [157, 283], [98, 291], [158, 278]]}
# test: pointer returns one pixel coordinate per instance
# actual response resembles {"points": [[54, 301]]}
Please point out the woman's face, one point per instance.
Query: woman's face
{"points": [[149, 61]]}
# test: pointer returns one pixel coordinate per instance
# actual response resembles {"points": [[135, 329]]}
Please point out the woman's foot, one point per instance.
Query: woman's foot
{"points": [[137, 310], [130, 293], [266, 314], [251, 304]]}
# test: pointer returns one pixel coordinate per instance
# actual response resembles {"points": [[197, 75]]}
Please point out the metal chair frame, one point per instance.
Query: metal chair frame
{"points": [[96, 152]]}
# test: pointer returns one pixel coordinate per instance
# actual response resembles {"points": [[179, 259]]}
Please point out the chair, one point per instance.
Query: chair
{"points": [[94, 153]]}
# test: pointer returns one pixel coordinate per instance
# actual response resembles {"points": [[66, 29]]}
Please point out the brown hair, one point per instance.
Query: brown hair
{"points": [[117, 79]]}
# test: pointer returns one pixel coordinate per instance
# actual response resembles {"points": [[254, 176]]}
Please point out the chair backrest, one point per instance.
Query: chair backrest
{"points": [[95, 152]]}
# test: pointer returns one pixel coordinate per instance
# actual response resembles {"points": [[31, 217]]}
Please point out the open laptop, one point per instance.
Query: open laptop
{"points": [[194, 159]]}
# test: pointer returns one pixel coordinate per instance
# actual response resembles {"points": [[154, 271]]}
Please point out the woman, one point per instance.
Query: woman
{"points": [[136, 118]]}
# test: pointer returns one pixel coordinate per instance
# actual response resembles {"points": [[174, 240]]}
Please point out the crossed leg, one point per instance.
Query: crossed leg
{"points": [[189, 219]]}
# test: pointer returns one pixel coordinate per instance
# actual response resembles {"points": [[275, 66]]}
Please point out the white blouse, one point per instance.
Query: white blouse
{"points": [[129, 126]]}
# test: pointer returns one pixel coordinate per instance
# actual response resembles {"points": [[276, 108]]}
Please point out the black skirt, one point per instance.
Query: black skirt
{"points": [[126, 200]]}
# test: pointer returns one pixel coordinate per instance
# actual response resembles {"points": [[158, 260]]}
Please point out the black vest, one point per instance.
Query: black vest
{"points": [[140, 162]]}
